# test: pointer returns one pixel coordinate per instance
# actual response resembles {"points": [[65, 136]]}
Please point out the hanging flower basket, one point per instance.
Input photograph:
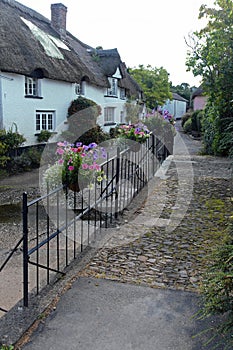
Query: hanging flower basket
{"points": [[78, 165], [135, 132]]}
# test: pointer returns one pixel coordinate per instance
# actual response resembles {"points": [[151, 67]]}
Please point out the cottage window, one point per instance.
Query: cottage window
{"points": [[80, 88], [31, 86], [122, 94], [44, 120], [109, 115], [112, 91]]}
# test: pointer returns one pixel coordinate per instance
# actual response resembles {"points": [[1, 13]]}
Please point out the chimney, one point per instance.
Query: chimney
{"points": [[58, 18]]}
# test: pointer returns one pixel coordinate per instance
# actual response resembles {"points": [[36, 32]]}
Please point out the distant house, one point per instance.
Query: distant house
{"points": [[199, 99], [43, 68], [177, 106]]}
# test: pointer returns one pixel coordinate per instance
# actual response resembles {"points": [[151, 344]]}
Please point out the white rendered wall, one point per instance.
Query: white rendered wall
{"points": [[21, 110]]}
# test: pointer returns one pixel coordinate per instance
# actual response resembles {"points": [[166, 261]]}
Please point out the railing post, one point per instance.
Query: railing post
{"points": [[25, 250], [154, 153], [117, 182]]}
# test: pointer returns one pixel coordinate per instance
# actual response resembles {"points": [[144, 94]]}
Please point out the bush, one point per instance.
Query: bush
{"points": [[82, 117], [226, 142], [43, 136], [28, 160], [187, 127], [184, 118], [196, 117], [9, 140], [95, 134], [217, 287]]}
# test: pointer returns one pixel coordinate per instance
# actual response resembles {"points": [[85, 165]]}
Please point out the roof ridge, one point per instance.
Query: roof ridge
{"points": [[27, 10]]}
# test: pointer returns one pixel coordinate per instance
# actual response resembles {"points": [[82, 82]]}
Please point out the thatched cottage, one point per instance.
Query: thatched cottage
{"points": [[43, 68]]}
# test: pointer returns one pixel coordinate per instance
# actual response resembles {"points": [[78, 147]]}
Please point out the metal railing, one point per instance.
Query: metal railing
{"points": [[61, 224]]}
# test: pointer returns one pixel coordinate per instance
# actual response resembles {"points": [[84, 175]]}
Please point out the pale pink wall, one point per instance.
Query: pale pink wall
{"points": [[199, 102]]}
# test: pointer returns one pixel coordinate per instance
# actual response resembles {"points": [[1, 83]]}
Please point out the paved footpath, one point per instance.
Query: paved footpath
{"points": [[140, 291]]}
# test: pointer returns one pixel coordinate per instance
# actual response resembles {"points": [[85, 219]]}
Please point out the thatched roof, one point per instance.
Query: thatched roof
{"points": [[198, 92], [28, 43]]}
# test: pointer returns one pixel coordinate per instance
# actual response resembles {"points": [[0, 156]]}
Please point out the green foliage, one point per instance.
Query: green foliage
{"points": [[95, 134], [226, 141], [6, 347], [184, 118], [9, 140], [210, 56], [188, 126], [28, 160], [43, 136], [52, 177], [196, 117], [12, 139], [217, 287], [154, 83]]}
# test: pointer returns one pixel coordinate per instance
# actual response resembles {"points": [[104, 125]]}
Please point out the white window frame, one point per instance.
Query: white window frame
{"points": [[113, 90], [45, 120], [109, 115], [79, 89], [122, 94], [31, 86]]}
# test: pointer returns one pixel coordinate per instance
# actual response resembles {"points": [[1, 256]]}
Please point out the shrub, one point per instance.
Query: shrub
{"points": [[9, 140], [184, 118], [95, 134], [43, 136], [217, 287], [196, 117], [82, 116], [226, 142], [187, 127], [28, 160]]}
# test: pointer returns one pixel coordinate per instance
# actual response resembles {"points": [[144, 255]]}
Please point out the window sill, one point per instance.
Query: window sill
{"points": [[52, 132], [113, 96], [35, 97], [109, 123]]}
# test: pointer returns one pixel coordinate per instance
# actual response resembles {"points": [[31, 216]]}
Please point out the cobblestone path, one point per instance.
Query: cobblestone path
{"points": [[165, 244]]}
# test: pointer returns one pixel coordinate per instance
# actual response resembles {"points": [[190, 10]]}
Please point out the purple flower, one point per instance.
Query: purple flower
{"points": [[92, 145]]}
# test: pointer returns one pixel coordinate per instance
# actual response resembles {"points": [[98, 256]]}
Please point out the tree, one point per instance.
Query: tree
{"points": [[154, 83], [211, 57]]}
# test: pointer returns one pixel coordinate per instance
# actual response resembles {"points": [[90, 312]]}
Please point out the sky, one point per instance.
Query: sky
{"points": [[150, 32]]}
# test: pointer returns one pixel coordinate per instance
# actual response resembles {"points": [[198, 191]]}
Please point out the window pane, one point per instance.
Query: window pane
{"points": [[38, 122], [44, 122], [50, 122], [109, 114], [31, 86]]}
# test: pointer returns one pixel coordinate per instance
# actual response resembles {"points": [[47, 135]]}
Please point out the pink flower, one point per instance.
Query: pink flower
{"points": [[60, 151], [85, 166], [70, 167], [97, 167], [60, 161]]}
